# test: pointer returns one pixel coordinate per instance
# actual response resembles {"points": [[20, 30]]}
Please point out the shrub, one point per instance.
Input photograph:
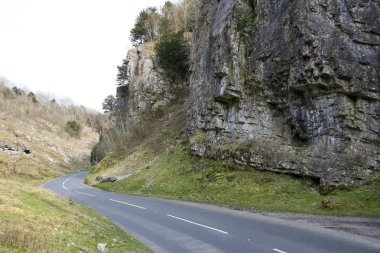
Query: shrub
{"points": [[18, 91], [109, 103], [33, 97], [73, 128], [122, 73], [173, 55]]}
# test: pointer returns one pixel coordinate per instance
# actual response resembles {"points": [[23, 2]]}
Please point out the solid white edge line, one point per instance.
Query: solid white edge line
{"points": [[85, 193], [201, 225], [128, 204], [280, 251]]}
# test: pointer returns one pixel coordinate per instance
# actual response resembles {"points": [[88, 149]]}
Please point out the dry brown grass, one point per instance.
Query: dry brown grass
{"points": [[41, 128], [155, 129], [21, 106]]}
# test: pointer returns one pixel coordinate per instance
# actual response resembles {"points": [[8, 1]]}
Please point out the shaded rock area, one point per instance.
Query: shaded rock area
{"points": [[303, 97], [13, 149]]}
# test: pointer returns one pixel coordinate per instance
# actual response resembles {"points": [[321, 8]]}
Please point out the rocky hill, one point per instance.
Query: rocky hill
{"points": [[290, 87]]}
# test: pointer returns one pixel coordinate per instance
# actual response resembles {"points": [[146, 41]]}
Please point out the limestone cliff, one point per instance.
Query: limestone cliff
{"points": [[146, 88], [304, 100]]}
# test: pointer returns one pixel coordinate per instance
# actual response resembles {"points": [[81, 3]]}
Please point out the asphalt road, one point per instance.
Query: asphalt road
{"points": [[179, 227]]}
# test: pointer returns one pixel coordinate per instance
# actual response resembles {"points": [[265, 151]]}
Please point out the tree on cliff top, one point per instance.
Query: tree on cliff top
{"points": [[146, 26], [151, 25]]}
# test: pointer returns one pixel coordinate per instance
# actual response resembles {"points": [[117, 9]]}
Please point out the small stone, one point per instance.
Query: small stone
{"points": [[102, 247], [329, 202], [100, 178], [112, 179]]}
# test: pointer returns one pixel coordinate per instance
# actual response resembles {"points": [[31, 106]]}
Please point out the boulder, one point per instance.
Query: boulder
{"points": [[102, 247], [103, 179]]}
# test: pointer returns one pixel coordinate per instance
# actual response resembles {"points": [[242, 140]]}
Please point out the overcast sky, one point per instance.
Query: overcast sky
{"points": [[67, 47]]}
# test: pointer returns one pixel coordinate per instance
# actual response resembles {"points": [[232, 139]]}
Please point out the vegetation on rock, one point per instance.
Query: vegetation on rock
{"points": [[166, 28], [173, 55], [146, 26]]}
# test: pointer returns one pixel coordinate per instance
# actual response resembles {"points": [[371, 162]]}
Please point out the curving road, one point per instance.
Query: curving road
{"points": [[179, 227]]}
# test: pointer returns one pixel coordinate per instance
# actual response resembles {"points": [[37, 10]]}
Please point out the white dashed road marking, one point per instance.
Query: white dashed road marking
{"points": [[156, 211], [128, 204], [201, 225], [85, 193]]}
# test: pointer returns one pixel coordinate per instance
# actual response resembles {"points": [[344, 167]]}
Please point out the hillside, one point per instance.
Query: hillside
{"points": [[36, 144], [273, 105]]}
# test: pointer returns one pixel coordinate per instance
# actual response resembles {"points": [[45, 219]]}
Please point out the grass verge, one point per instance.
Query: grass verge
{"points": [[35, 220]]}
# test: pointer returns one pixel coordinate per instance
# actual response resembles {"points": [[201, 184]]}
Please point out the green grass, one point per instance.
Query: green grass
{"points": [[178, 175], [35, 220]]}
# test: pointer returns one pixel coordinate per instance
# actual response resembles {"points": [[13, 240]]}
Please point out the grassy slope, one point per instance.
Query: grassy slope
{"points": [[171, 172], [33, 219]]}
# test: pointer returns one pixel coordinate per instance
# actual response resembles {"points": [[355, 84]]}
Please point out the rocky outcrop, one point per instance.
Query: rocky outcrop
{"points": [[104, 179], [146, 88], [13, 149], [303, 97]]}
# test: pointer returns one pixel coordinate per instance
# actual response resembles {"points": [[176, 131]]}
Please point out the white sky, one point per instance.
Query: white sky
{"points": [[69, 48]]}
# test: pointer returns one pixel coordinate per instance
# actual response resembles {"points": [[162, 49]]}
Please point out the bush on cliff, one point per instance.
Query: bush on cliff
{"points": [[173, 55], [73, 128]]}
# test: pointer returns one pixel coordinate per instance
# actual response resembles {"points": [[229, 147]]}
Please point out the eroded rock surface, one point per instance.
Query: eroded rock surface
{"points": [[301, 98], [146, 88]]}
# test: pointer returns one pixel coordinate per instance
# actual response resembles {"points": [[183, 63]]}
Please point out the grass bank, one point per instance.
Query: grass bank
{"points": [[177, 175], [35, 220]]}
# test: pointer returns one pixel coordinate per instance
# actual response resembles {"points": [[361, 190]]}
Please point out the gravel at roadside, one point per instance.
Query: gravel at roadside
{"points": [[367, 228]]}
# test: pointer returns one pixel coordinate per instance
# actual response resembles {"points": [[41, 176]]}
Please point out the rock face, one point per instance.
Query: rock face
{"points": [[303, 97], [146, 87]]}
